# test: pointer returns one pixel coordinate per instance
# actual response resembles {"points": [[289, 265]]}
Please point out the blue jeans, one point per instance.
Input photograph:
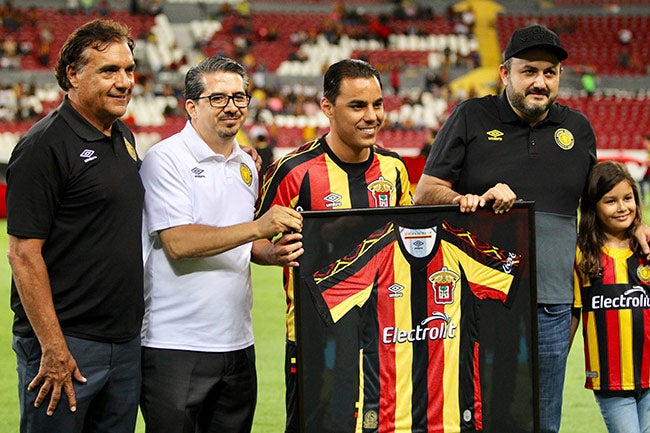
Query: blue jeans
{"points": [[625, 411], [106, 403], [554, 327]]}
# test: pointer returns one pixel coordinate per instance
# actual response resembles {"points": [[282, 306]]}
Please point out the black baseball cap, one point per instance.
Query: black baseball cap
{"points": [[533, 37]]}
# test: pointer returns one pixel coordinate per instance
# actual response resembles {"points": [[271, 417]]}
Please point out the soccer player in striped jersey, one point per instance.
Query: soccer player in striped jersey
{"points": [[342, 169], [612, 281]]}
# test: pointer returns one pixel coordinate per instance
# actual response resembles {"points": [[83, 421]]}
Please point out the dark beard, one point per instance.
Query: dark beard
{"points": [[227, 134], [230, 132], [518, 101]]}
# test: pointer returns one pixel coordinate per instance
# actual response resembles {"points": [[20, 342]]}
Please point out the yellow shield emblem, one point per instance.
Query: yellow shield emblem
{"points": [[246, 174]]}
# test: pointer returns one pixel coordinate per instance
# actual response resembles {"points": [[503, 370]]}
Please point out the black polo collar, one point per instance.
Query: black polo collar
{"points": [[82, 127]]}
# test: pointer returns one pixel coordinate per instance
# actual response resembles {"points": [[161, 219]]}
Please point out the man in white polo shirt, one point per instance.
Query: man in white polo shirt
{"points": [[198, 361]]}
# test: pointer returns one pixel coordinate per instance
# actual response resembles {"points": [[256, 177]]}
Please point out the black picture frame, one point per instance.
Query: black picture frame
{"points": [[326, 357]]}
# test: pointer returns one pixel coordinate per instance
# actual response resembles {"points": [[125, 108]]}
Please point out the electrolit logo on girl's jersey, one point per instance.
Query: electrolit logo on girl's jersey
{"points": [[636, 297]]}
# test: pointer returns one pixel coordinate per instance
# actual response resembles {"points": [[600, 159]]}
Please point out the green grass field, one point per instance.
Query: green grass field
{"points": [[580, 414]]}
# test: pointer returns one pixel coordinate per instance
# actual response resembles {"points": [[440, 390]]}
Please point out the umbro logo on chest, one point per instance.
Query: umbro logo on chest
{"points": [[198, 172], [88, 155]]}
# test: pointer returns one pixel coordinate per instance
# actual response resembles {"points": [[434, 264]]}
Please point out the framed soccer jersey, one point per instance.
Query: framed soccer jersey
{"points": [[417, 320]]}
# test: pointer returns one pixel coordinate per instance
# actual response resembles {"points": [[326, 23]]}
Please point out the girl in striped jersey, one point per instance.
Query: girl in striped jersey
{"points": [[612, 279]]}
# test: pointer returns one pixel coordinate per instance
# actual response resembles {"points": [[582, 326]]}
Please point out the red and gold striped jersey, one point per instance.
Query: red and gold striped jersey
{"points": [[419, 344], [616, 321], [313, 178]]}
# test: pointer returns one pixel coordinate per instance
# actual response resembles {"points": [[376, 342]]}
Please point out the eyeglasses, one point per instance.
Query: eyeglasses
{"points": [[220, 100]]}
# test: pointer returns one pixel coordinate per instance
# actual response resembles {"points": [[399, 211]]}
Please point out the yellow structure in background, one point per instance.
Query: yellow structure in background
{"points": [[483, 80]]}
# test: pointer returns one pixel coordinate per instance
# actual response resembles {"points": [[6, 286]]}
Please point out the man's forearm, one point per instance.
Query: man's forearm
{"points": [[262, 252], [33, 286], [196, 240], [434, 194]]}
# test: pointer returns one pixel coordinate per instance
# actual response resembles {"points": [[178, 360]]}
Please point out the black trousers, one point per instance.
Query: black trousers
{"points": [[198, 392]]}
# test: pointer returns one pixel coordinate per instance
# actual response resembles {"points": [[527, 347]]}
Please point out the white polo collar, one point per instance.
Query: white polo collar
{"points": [[200, 149]]}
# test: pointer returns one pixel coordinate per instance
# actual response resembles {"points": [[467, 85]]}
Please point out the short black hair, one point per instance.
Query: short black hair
{"points": [[348, 68], [194, 84]]}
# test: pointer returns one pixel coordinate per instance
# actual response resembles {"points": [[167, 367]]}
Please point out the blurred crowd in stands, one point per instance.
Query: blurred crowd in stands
{"points": [[15, 43], [19, 102], [258, 42], [239, 34]]}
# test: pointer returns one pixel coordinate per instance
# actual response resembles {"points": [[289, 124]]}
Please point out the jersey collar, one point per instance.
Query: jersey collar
{"points": [[355, 166]]}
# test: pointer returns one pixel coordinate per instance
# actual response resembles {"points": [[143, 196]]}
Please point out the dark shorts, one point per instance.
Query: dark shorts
{"points": [[106, 403], [187, 391]]}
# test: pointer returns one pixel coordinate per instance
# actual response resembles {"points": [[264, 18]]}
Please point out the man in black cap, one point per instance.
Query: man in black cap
{"points": [[523, 145]]}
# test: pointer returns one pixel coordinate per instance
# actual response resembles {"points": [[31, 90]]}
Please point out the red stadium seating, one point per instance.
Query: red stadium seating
{"points": [[594, 40], [285, 24], [396, 139], [62, 24], [619, 123], [383, 59]]}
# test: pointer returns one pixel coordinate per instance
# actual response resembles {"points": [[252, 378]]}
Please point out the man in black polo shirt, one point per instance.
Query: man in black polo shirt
{"points": [[523, 145], [74, 201]]}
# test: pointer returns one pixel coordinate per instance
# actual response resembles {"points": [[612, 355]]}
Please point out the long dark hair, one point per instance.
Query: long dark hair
{"points": [[591, 238]]}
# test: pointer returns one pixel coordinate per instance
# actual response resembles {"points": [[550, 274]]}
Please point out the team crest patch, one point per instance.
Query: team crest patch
{"points": [[246, 174], [444, 282], [370, 420], [130, 149], [564, 139], [643, 272], [381, 190]]}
